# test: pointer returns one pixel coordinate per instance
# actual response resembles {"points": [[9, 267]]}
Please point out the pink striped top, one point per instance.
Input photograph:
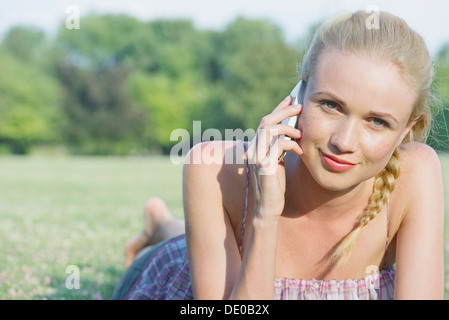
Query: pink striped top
{"points": [[375, 286]]}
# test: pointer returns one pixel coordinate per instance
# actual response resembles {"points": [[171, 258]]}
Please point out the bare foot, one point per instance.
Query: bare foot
{"points": [[133, 246], [156, 214]]}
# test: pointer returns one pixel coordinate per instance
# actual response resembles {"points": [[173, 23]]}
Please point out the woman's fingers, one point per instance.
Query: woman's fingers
{"points": [[284, 103], [281, 112], [266, 148], [269, 126], [267, 136], [269, 164]]}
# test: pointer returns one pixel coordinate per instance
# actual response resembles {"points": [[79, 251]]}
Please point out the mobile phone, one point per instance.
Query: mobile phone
{"points": [[298, 97]]}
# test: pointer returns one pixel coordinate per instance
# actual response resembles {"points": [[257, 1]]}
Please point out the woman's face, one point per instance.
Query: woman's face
{"points": [[356, 112]]}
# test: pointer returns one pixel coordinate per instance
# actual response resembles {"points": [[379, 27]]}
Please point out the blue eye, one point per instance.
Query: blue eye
{"points": [[329, 104], [380, 123]]}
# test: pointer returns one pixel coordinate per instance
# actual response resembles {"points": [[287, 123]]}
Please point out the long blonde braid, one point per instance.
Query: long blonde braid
{"points": [[383, 186]]}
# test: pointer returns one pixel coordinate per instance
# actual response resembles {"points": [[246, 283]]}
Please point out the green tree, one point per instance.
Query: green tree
{"points": [[29, 105], [256, 71], [175, 75], [173, 89], [101, 117], [168, 105], [98, 44], [25, 43]]}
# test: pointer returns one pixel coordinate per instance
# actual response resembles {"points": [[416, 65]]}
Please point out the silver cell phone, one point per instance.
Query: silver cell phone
{"points": [[298, 98]]}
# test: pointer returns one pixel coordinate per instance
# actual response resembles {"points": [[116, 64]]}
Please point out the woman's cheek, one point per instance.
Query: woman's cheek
{"points": [[312, 129]]}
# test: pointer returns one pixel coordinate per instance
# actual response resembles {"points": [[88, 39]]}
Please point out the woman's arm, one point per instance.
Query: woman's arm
{"points": [[216, 270], [419, 251], [214, 258]]}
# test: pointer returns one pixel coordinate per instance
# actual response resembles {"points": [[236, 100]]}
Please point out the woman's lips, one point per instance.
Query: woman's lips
{"points": [[336, 163]]}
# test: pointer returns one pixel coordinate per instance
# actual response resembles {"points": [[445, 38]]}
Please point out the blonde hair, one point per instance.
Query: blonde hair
{"points": [[394, 41]]}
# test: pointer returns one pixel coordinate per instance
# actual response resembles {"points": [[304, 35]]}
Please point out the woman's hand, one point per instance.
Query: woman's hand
{"points": [[264, 159]]}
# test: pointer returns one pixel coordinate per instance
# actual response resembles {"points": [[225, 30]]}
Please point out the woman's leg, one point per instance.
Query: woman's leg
{"points": [[159, 225]]}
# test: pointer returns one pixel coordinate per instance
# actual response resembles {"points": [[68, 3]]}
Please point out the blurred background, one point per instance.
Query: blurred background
{"points": [[91, 90], [116, 77]]}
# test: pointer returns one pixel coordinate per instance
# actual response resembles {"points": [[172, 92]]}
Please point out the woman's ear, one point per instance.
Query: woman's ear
{"points": [[407, 130]]}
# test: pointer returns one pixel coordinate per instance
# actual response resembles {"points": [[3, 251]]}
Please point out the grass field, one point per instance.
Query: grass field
{"points": [[61, 212], [66, 216]]}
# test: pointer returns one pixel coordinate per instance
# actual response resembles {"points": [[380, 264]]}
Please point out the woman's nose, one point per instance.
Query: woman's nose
{"points": [[345, 136]]}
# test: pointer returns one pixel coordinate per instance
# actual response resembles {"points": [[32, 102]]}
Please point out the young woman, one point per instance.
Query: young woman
{"points": [[355, 208]]}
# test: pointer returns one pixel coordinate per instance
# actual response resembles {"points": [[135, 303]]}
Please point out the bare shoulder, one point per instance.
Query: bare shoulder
{"points": [[418, 159], [223, 158], [216, 170], [420, 179], [417, 149]]}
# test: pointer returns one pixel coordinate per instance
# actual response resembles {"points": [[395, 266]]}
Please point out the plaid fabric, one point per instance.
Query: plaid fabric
{"points": [[166, 277], [376, 286], [166, 274]]}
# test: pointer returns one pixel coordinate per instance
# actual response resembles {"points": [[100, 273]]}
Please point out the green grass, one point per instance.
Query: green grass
{"points": [[56, 212]]}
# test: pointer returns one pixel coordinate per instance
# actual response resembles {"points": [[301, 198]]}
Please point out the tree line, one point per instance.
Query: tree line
{"points": [[119, 85]]}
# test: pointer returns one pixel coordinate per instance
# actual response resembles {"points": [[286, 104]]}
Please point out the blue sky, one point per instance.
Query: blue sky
{"points": [[430, 17]]}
